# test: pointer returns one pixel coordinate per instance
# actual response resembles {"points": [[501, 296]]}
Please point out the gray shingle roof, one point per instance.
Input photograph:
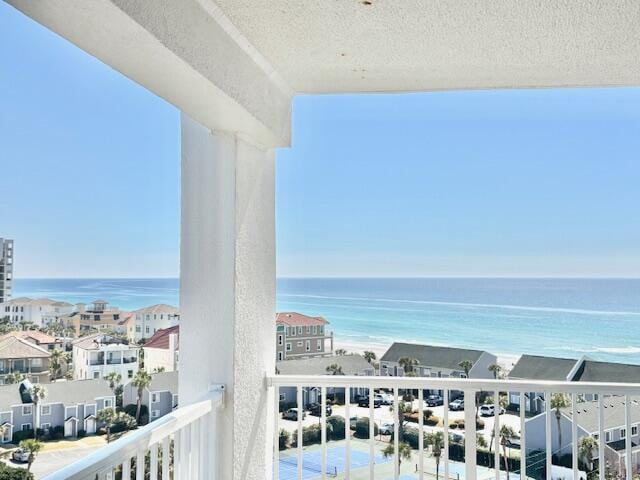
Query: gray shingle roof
{"points": [[9, 395], [534, 367], [351, 365], [587, 413], [164, 381], [430, 355], [77, 391], [592, 371]]}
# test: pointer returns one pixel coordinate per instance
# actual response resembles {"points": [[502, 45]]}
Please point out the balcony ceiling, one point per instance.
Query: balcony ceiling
{"points": [[332, 46]]}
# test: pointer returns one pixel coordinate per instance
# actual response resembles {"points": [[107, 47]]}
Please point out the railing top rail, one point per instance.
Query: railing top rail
{"points": [[142, 438], [472, 384]]}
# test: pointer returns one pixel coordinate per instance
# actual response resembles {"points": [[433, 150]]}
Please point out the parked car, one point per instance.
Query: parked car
{"points": [[457, 404], [434, 401], [364, 401], [489, 410], [315, 409], [387, 398], [353, 421], [20, 455], [386, 429], [292, 414]]}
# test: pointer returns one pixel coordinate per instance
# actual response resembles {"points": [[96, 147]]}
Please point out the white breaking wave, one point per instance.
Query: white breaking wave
{"points": [[472, 305]]}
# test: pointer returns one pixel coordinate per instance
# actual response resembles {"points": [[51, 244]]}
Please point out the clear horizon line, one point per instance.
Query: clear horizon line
{"points": [[376, 277]]}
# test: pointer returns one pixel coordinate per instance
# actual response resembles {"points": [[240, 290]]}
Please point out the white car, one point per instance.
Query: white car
{"points": [[20, 455], [387, 398], [386, 429], [489, 410]]}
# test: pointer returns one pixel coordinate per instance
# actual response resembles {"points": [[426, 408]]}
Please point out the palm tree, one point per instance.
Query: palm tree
{"points": [[495, 369], [114, 379], [369, 356], [466, 366], [33, 447], [404, 408], [586, 446], [334, 369], [141, 381], [55, 364], [404, 452], [436, 440], [108, 416], [558, 402], [408, 364], [37, 393], [341, 352], [506, 435]]}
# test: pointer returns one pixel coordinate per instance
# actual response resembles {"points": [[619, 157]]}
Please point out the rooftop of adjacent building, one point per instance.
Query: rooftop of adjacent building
{"points": [[160, 339], [97, 341], [24, 301], [14, 347], [352, 364], [431, 355], [67, 392], [160, 308], [34, 336], [295, 319]]}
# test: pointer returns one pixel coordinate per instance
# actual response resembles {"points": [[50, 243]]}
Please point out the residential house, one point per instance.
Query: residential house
{"points": [[72, 405], [41, 312], [162, 349], [351, 364], [301, 336], [6, 272], [36, 337], [18, 355], [586, 416], [97, 355], [160, 397], [99, 316], [149, 320]]}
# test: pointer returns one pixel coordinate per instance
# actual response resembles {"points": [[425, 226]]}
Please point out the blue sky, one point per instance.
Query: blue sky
{"points": [[485, 183]]}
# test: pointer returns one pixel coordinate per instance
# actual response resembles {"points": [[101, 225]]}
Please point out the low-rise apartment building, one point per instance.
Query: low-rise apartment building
{"points": [[149, 320], [301, 336], [99, 316], [36, 337], [160, 397], [18, 355], [6, 271], [72, 405], [161, 351], [97, 355], [41, 312]]}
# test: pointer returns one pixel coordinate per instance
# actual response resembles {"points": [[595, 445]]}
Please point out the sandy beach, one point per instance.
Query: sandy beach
{"points": [[506, 361]]}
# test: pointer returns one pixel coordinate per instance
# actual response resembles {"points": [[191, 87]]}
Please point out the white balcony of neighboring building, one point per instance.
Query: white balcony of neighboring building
{"points": [[233, 68]]}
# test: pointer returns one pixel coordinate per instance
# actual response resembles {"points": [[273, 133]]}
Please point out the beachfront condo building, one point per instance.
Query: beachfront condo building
{"points": [[149, 320], [40, 312], [99, 316], [6, 269], [301, 336], [97, 355]]}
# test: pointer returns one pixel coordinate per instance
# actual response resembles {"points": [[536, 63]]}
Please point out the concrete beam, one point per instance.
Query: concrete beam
{"points": [[186, 52]]}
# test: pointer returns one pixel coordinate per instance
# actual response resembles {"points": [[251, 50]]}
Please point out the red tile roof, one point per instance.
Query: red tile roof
{"points": [[160, 339], [34, 336], [298, 319]]}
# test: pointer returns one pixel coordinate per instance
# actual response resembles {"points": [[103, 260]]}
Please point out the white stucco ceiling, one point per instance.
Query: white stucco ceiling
{"points": [[412, 45]]}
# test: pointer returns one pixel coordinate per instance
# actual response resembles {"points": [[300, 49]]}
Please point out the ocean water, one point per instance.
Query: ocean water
{"points": [[599, 318]]}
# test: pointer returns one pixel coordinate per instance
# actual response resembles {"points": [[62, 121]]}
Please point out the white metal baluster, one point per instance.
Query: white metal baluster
{"points": [[166, 460], [421, 433], [445, 404], [194, 450], [574, 436], [185, 452], [601, 438], [140, 465], [547, 430], [126, 469], [276, 433], [396, 434], [496, 432], [177, 446], [347, 431], [323, 430], [212, 470], [371, 435], [204, 450], [627, 443], [470, 441], [300, 415], [523, 437], [153, 462]]}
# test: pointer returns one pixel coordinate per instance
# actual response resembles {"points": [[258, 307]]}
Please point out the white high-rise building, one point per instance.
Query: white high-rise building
{"points": [[6, 268]]}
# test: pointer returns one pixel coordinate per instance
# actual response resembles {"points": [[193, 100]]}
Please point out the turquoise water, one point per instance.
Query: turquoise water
{"points": [[563, 317]]}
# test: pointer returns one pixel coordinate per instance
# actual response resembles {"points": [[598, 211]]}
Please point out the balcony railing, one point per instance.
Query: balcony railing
{"points": [[175, 446], [303, 460]]}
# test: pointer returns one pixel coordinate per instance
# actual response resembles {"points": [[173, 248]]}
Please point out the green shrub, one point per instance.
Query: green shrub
{"points": [[432, 421], [21, 435], [411, 436], [10, 473], [427, 414], [459, 423], [283, 439], [362, 428], [336, 427], [56, 433], [310, 435], [82, 433], [131, 409]]}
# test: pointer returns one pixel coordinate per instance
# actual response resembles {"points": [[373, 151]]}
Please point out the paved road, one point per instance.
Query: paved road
{"points": [[49, 462]]}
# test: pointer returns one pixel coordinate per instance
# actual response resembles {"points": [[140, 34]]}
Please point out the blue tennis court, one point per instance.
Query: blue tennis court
{"points": [[336, 463]]}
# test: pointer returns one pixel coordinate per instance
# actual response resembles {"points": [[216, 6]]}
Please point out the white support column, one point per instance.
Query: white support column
{"points": [[227, 292]]}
